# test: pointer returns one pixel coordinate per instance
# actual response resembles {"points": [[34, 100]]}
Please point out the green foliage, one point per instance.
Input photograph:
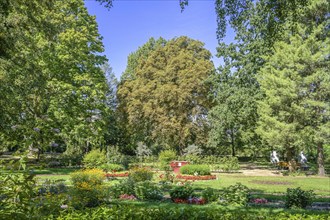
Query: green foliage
{"points": [[185, 212], [111, 167], [125, 186], [55, 81], [210, 195], [94, 158], [194, 159], [192, 149], [140, 174], [165, 157], [52, 187], [237, 194], [195, 169], [229, 164], [298, 198], [71, 159], [166, 102], [16, 195], [181, 192], [88, 190], [148, 191]]}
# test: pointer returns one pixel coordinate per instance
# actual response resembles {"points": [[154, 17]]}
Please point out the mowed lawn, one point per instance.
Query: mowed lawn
{"points": [[257, 184], [270, 184]]}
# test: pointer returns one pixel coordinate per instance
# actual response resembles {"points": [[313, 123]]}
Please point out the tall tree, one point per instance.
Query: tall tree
{"points": [[167, 100], [295, 81], [52, 84]]}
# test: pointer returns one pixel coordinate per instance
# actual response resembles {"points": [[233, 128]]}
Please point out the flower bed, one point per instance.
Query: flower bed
{"points": [[195, 201], [116, 174], [190, 177]]}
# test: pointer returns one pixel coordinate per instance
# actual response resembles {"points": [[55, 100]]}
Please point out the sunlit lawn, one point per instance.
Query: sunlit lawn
{"points": [[270, 184]]}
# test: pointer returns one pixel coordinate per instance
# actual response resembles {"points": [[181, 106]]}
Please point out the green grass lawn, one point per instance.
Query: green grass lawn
{"points": [[270, 184]]}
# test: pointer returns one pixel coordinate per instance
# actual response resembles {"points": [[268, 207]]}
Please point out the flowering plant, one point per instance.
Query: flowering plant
{"points": [[127, 197], [260, 201], [189, 177], [126, 174], [196, 201]]}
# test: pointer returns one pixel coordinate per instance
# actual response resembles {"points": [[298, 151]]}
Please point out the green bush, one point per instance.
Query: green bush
{"points": [[165, 157], [185, 212], [298, 198], [126, 186], [111, 167], [237, 194], [148, 191], [195, 169], [94, 158], [181, 192], [71, 159], [229, 164], [140, 174], [210, 195], [16, 195], [87, 190]]}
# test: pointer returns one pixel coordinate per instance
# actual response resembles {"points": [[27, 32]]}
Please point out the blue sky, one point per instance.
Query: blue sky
{"points": [[130, 23]]}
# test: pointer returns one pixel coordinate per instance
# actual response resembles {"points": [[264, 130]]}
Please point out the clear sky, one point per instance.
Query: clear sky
{"points": [[130, 23]]}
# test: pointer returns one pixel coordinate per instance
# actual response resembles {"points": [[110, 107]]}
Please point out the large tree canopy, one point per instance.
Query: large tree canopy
{"points": [[295, 81], [52, 88], [167, 102]]}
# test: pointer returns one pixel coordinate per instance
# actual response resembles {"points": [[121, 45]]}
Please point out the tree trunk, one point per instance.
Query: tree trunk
{"points": [[233, 145], [320, 159], [292, 163]]}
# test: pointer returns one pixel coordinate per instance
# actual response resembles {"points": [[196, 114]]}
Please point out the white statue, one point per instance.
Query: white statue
{"points": [[303, 158], [273, 157]]}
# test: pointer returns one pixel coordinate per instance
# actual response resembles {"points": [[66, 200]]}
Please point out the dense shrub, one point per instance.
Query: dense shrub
{"points": [[148, 191], [51, 187], [298, 198], [165, 157], [87, 190], [195, 169], [111, 167], [16, 193], [126, 186], [237, 194], [229, 164], [71, 159], [94, 158], [139, 174], [210, 195], [185, 212], [181, 192]]}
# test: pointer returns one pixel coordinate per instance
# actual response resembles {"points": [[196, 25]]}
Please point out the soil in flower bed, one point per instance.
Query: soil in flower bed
{"points": [[191, 177], [265, 182]]}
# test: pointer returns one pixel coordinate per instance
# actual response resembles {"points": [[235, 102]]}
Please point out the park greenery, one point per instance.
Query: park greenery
{"points": [[77, 143]]}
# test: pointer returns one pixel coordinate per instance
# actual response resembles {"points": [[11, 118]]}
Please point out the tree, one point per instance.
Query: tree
{"points": [[295, 82], [235, 87], [52, 84], [167, 102]]}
